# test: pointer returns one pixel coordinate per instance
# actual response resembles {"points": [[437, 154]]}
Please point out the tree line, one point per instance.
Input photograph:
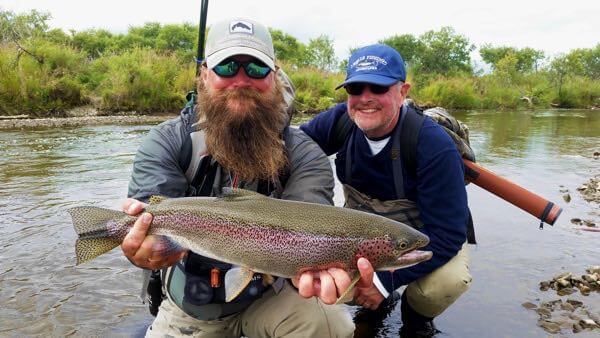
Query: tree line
{"points": [[150, 68]]}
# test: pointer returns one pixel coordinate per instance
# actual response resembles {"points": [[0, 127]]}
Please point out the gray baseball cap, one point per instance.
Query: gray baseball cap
{"points": [[239, 37]]}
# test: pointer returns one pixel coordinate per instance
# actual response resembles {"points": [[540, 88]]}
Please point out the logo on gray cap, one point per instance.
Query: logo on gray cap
{"points": [[241, 27]]}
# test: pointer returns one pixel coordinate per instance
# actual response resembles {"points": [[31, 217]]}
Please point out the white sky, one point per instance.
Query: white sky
{"points": [[552, 26]]}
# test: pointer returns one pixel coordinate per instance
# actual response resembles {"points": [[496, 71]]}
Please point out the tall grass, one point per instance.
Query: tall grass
{"points": [[147, 80], [41, 86], [140, 80]]}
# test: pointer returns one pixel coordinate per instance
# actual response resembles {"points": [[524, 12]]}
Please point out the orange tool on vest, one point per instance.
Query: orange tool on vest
{"points": [[215, 280]]}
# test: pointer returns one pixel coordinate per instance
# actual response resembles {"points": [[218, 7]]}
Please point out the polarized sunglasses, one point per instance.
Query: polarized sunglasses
{"points": [[357, 88], [255, 69]]}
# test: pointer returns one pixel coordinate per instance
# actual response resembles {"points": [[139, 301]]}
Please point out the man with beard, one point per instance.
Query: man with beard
{"points": [[239, 138]]}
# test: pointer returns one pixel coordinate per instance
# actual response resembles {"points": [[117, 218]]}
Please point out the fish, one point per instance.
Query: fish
{"points": [[259, 234]]}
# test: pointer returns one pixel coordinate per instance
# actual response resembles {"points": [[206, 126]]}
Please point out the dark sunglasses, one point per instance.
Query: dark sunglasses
{"points": [[254, 68], [357, 88]]}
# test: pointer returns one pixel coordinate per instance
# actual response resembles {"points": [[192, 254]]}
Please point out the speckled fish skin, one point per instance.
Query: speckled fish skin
{"points": [[266, 235]]}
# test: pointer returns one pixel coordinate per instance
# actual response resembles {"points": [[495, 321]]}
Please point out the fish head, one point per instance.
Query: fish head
{"points": [[392, 252]]}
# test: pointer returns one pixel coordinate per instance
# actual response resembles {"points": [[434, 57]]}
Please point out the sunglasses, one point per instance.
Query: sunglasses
{"points": [[230, 67], [357, 88]]}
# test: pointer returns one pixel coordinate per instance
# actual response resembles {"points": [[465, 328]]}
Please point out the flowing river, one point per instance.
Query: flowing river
{"points": [[44, 171]]}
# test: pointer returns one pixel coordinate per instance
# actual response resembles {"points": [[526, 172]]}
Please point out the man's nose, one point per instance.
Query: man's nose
{"points": [[241, 79], [367, 95]]}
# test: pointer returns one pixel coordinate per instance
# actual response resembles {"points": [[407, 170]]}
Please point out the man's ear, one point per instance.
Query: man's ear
{"points": [[404, 89], [203, 75]]}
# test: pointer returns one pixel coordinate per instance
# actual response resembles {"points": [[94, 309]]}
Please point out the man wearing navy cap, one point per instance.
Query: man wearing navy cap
{"points": [[429, 194]]}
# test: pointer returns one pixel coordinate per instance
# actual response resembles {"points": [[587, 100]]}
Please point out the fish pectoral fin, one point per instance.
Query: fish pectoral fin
{"points": [[156, 199], [348, 295], [236, 280]]}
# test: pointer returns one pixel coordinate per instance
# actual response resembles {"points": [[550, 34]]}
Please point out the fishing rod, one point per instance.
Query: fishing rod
{"points": [[201, 35]]}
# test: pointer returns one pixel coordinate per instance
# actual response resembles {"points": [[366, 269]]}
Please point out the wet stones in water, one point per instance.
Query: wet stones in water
{"points": [[558, 315], [590, 191], [561, 316], [566, 284]]}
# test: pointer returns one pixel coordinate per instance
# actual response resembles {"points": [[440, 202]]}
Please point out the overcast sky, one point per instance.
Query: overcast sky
{"points": [[552, 26]]}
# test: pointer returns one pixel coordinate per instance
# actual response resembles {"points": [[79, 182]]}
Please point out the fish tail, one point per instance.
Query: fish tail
{"points": [[96, 229]]}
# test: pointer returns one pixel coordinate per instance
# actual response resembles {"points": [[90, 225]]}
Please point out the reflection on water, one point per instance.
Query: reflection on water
{"points": [[45, 171]]}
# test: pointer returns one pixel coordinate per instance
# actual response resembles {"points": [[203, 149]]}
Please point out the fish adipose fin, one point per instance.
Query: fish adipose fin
{"points": [[91, 224], [236, 280], [348, 295]]}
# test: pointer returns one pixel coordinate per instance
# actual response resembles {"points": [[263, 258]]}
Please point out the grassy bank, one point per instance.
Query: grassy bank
{"points": [[45, 72]]}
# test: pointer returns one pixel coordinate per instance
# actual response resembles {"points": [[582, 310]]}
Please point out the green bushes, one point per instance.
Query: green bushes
{"points": [[578, 92], [448, 92], [315, 89], [45, 72], [139, 80], [45, 85]]}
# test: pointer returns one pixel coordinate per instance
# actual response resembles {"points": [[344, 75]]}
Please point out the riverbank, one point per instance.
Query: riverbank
{"points": [[82, 120]]}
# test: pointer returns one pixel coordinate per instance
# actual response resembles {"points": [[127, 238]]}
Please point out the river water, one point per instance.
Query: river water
{"points": [[44, 171]]}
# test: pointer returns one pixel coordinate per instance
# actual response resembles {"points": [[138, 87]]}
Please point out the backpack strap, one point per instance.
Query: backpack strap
{"points": [[341, 130], [409, 136]]}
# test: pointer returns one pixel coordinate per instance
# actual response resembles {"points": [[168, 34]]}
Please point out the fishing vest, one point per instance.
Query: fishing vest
{"points": [[403, 151]]}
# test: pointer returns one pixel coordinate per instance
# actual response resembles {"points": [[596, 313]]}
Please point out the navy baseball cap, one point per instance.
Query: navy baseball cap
{"points": [[377, 64]]}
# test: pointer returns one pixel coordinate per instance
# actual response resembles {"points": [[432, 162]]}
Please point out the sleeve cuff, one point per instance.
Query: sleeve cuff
{"points": [[380, 287]]}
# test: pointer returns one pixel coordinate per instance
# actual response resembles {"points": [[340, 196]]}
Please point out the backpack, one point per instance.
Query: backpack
{"points": [[409, 136]]}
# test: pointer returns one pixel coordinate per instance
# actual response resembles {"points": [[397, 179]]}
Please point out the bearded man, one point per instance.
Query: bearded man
{"points": [[237, 136]]}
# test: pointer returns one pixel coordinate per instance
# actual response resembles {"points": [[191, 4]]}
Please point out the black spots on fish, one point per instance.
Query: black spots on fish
{"points": [[376, 249]]}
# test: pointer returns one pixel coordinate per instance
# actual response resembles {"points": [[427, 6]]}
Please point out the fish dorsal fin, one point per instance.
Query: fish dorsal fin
{"points": [[156, 199], [236, 280], [232, 194]]}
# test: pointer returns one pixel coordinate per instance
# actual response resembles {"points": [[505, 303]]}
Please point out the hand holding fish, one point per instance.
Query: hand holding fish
{"points": [[141, 250], [328, 285], [366, 293]]}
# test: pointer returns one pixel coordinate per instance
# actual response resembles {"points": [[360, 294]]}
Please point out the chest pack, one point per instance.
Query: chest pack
{"points": [[405, 149]]}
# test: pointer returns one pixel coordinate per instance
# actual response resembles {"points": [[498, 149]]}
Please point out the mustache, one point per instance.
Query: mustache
{"points": [[367, 105], [247, 142]]}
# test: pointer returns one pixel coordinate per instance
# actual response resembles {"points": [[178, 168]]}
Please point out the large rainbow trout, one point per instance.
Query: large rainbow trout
{"points": [[259, 234]]}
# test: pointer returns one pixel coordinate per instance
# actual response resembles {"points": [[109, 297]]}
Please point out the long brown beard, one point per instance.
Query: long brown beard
{"points": [[247, 142]]}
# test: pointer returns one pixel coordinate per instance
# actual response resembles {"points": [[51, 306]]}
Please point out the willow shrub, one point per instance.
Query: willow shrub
{"points": [[315, 89], [41, 86], [138, 80], [495, 93], [578, 92], [450, 93]]}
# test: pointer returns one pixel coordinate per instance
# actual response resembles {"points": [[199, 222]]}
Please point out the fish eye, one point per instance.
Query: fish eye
{"points": [[403, 244]]}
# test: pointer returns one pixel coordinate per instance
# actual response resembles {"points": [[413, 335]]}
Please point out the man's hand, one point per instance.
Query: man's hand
{"points": [[149, 252], [366, 293], [328, 285]]}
